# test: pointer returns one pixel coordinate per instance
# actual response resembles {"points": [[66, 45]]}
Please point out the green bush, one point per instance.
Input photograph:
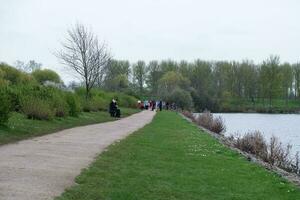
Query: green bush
{"points": [[127, 101], [14, 76], [100, 103], [60, 106], [87, 106], [73, 103], [36, 108], [46, 75], [4, 105], [95, 104]]}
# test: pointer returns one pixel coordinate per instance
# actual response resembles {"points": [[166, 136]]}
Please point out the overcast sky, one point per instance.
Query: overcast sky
{"points": [[153, 29]]}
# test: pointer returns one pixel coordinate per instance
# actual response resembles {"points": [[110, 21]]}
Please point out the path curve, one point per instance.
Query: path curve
{"points": [[41, 168]]}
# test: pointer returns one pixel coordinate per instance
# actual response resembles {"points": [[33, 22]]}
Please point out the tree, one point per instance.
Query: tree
{"points": [[170, 81], [181, 98], [139, 75], [29, 67], [286, 80], [201, 78], [249, 76], [296, 70], [84, 54], [46, 75], [116, 73], [153, 76], [270, 78]]}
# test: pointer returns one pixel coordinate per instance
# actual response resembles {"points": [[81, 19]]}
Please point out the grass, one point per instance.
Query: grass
{"points": [[172, 159], [19, 127]]}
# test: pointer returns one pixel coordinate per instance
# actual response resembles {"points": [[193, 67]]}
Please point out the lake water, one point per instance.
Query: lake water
{"points": [[285, 126]]}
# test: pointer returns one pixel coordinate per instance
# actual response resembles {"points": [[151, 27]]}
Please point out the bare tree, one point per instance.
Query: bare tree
{"points": [[29, 67], [84, 54]]}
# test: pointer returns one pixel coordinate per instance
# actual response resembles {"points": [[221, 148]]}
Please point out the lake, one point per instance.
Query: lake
{"points": [[284, 126]]}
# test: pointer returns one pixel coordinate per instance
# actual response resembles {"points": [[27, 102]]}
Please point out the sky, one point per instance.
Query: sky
{"points": [[153, 29]]}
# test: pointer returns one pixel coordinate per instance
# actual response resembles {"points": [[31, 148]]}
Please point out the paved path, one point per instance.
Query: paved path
{"points": [[41, 168]]}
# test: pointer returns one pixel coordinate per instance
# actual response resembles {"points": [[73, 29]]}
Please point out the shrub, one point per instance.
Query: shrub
{"points": [[254, 143], [4, 105], [14, 76], [95, 104], [274, 152], [189, 115], [278, 154], [14, 93], [90, 106], [60, 106], [207, 120], [73, 103], [46, 75], [2, 80], [125, 101], [218, 125], [35, 108]]}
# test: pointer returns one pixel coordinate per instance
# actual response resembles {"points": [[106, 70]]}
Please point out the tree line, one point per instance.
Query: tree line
{"points": [[213, 85], [206, 84]]}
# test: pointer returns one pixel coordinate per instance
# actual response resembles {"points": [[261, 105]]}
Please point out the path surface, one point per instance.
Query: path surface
{"points": [[41, 168]]}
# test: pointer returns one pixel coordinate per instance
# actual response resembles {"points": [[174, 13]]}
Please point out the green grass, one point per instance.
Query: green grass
{"points": [[19, 127], [172, 159]]}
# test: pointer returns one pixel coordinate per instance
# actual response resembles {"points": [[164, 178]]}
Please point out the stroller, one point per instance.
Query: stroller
{"points": [[118, 113]]}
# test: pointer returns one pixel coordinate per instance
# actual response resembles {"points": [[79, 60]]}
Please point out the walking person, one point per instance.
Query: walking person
{"points": [[153, 105], [160, 105], [167, 105]]}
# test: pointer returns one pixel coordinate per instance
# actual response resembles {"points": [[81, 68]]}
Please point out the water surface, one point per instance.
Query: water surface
{"points": [[285, 126]]}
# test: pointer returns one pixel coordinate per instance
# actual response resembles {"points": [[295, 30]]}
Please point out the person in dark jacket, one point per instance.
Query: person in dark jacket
{"points": [[112, 108], [160, 105], [153, 105]]}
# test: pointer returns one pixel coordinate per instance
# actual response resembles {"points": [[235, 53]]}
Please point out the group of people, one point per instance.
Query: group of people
{"points": [[114, 110], [155, 105]]}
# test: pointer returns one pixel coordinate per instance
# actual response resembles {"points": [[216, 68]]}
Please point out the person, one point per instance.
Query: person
{"points": [[140, 106], [167, 105], [153, 105], [112, 108], [160, 105], [146, 104], [117, 110]]}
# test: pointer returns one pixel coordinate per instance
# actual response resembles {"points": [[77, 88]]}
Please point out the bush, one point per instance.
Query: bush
{"points": [[73, 103], [46, 75], [218, 125], [60, 106], [254, 143], [274, 152], [95, 104], [189, 115], [125, 101], [207, 120], [35, 108], [4, 105], [278, 154], [14, 76]]}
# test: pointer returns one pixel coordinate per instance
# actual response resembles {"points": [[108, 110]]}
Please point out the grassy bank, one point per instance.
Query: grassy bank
{"points": [[172, 159], [19, 127]]}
